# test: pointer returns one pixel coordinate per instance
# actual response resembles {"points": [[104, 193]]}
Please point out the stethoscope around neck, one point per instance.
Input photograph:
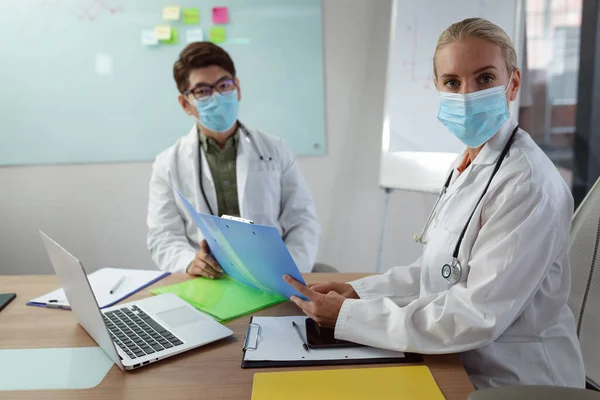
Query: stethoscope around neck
{"points": [[246, 135], [452, 271]]}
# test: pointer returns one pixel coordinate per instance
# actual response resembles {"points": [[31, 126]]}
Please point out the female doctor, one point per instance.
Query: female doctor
{"points": [[493, 281]]}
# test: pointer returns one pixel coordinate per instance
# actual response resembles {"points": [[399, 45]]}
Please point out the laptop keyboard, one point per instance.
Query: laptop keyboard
{"points": [[137, 334]]}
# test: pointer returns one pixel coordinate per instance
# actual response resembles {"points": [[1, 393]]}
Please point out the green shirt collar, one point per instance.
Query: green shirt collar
{"points": [[231, 142]]}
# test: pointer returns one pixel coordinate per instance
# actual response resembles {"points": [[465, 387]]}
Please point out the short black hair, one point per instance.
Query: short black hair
{"points": [[200, 55]]}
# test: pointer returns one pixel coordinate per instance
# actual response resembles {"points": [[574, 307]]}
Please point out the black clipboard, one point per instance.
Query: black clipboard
{"points": [[409, 358]]}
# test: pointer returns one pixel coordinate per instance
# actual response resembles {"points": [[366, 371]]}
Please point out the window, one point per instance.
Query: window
{"points": [[548, 106]]}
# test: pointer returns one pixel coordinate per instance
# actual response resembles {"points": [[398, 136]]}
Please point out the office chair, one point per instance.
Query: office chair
{"points": [[584, 299], [324, 268], [534, 393]]}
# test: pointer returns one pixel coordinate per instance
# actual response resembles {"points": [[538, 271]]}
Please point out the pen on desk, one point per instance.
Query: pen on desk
{"points": [[48, 305], [114, 288], [300, 336]]}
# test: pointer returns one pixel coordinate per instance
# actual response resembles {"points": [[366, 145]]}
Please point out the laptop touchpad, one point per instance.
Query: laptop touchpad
{"points": [[179, 317]]}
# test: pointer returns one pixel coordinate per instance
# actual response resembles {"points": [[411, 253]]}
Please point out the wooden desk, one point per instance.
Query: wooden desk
{"points": [[209, 372]]}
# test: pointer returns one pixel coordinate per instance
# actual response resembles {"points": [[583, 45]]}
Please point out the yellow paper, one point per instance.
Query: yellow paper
{"points": [[163, 32], [411, 382], [171, 13]]}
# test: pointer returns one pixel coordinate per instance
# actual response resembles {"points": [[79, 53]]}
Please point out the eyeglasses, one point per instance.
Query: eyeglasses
{"points": [[203, 91]]}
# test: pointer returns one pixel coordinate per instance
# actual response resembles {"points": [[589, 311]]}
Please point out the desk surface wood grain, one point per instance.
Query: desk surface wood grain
{"points": [[209, 372]]}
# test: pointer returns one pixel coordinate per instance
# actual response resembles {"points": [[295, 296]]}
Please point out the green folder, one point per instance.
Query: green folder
{"points": [[223, 299]]}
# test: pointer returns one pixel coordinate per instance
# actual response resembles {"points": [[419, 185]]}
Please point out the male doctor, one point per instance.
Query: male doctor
{"points": [[222, 167]]}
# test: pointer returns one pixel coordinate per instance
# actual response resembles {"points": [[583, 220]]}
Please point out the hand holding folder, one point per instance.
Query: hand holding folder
{"points": [[252, 254]]}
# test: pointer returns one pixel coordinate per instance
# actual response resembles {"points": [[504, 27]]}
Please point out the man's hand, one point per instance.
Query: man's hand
{"points": [[204, 264], [345, 289], [323, 308]]}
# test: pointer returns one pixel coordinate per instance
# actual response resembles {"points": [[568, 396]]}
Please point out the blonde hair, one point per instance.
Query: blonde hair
{"points": [[482, 29]]}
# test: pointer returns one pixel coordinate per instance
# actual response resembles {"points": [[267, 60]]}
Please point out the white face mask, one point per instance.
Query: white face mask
{"points": [[474, 118]]}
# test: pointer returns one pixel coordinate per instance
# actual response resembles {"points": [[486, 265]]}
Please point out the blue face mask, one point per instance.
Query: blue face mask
{"points": [[474, 117], [219, 112]]}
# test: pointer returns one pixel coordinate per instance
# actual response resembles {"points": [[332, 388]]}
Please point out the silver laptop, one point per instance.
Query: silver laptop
{"points": [[137, 333]]}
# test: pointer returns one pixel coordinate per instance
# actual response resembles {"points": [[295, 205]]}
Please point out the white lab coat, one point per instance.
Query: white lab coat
{"points": [[270, 192], [508, 315]]}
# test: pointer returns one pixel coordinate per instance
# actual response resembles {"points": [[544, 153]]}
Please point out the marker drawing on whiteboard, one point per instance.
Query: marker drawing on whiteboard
{"points": [[414, 62]]}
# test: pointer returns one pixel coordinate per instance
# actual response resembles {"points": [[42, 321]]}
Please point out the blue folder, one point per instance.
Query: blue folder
{"points": [[252, 254]]}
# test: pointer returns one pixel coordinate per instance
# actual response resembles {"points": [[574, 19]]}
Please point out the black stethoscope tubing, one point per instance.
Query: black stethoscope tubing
{"points": [[496, 168], [246, 133]]}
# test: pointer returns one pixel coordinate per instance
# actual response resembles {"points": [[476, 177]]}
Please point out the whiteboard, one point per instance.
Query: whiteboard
{"points": [[417, 149], [78, 86]]}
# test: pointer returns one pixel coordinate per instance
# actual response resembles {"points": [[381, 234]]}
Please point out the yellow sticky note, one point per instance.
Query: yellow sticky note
{"points": [[171, 13], [191, 16], [216, 34], [174, 37], [163, 32]]}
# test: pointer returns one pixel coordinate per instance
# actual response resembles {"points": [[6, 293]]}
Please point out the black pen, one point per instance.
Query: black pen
{"points": [[300, 336]]}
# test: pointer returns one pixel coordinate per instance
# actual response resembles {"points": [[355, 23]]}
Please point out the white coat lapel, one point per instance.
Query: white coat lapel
{"points": [[188, 178], [242, 165], [196, 156], [208, 184], [458, 182], [489, 155]]}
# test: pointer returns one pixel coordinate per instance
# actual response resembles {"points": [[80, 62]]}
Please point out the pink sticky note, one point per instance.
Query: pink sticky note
{"points": [[220, 15]]}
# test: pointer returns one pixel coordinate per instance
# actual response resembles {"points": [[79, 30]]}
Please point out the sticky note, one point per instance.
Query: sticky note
{"points": [[191, 16], [171, 13], [194, 35], [174, 37], [162, 32], [149, 37], [103, 64], [217, 34], [220, 15]]}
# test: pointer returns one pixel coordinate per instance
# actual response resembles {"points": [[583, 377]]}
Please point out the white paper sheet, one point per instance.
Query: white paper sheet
{"points": [[279, 342], [102, 281]]}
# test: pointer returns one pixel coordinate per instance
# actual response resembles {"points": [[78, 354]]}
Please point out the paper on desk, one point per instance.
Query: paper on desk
{"points": [[279, 342], [102, 281]]}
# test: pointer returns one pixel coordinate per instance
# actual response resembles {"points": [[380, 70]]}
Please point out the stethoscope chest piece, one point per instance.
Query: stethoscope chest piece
{"points": [[452, 272]]}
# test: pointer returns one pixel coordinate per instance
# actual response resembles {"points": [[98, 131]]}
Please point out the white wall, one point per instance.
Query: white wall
{"points": [[98, 211]]}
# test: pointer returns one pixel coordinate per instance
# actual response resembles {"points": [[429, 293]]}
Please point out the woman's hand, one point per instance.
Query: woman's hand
{"points": [[345, 289], [322, 308]]}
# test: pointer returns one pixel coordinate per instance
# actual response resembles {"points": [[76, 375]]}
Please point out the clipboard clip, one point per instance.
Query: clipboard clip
{"points": [[246, 221], [255, 346]]}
